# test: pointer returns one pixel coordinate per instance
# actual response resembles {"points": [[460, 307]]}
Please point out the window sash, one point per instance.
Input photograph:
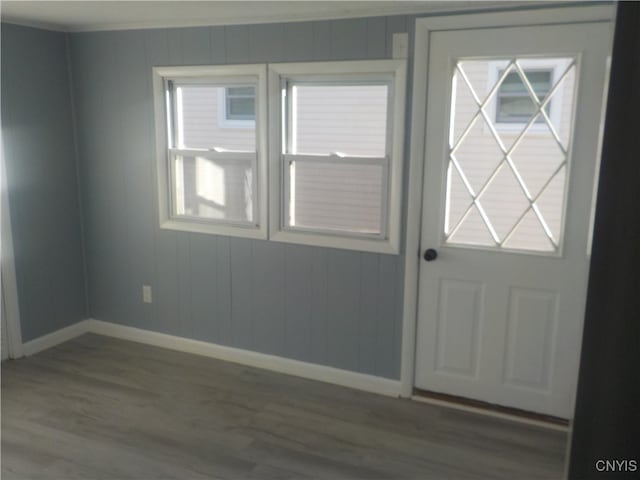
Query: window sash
{"points": [[173, 176], [288, 83], [223, 82], [246, 179], [287, 160]]}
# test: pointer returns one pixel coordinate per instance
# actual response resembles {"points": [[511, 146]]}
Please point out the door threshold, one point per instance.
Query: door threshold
{"points": [[491, 410]]}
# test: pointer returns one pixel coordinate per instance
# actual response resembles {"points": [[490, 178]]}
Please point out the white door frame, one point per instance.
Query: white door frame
{"points": [[423, 29], [9, 284]]}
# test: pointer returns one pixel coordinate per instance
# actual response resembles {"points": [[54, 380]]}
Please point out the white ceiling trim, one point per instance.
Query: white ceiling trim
{"points": [[33, 24], [33, 14]]}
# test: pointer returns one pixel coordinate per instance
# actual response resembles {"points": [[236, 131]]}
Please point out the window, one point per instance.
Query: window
{"points": [[238, 107], [335, 149], [336, 153], [211, 176], [507, 171], [514, 104]]}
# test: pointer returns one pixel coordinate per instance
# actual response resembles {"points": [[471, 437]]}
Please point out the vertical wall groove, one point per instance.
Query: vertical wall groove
{"points": [[76, 160], [326, 306]]}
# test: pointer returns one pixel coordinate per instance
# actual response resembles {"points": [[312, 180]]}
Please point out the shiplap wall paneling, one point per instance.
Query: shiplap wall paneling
{"points": [[298, 301], [331, 307], [39, 154]]}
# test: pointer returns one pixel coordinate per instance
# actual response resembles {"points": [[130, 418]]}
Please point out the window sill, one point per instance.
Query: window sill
{"points": [[228, 230], [386, 246]]}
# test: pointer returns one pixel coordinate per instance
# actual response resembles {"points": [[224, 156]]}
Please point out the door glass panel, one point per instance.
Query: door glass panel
{"points": [[509, 135], [473, 230]]}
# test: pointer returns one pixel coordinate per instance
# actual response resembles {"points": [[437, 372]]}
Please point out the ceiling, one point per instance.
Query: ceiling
{"points": [[74, 16]]}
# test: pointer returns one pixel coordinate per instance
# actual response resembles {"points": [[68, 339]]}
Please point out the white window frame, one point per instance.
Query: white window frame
{"points": [[557, 68], [392, 72], [225, 122], [165, 153]]}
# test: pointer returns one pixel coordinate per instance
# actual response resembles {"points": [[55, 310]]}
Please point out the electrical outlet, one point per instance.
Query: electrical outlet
{"points": [[146, 294]]}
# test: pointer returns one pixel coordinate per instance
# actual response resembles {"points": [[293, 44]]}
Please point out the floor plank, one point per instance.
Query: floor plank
{"points": [[98, 407]]}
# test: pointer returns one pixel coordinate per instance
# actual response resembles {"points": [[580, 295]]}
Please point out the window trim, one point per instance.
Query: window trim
{"points": [[391, 71], [221, 75]]}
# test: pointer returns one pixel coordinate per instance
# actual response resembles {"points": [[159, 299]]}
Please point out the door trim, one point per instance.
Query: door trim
{"points": [[9, 283], [423, 29]]}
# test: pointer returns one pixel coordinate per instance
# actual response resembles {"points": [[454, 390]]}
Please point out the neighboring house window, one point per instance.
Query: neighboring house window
{"points": [[240, 103], [336, 153], [212, 177], [238, 107], [514, 102], [512, 106]]}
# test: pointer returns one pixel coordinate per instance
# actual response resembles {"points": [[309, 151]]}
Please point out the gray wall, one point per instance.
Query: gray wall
{"points": [[332, 307], [37, 131]]}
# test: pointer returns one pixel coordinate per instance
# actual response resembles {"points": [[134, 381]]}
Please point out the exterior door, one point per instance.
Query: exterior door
{"points": [[513, 119]]}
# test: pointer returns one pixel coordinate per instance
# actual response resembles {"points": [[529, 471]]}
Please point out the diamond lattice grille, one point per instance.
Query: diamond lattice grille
{"points": [[508, 152]]}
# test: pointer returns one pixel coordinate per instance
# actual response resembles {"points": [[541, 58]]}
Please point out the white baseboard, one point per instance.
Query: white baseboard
{"points": [[55, 338], [312, 371], [360, 381]]}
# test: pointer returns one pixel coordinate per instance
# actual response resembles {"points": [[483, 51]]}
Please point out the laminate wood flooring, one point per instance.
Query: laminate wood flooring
{"points": [[101, 408]]}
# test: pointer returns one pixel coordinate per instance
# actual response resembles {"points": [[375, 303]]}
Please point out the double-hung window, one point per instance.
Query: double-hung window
{"points": [[336, 133], [212, 172]]}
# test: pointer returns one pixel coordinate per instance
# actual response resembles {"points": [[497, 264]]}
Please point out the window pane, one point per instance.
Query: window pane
{"points": [[214, 188], [518, 109], [539, 80], [336, 196], [515, 204], [240, 103], [348, 119], [515, 103], [240, 108], [201, 121]]}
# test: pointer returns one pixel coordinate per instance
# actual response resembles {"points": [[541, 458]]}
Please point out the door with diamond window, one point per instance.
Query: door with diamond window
{"points": [[513, 119]]}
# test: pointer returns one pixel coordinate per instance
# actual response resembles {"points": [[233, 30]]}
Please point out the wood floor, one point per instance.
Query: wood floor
{"points": [[101, 408]]}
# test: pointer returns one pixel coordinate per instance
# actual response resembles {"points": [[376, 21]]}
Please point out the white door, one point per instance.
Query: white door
{"points": [[511, 146]]}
